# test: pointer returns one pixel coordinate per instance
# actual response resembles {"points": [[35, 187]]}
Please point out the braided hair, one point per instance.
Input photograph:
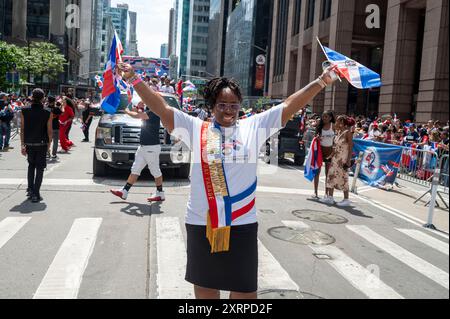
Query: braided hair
{"points": [[216, 85]]}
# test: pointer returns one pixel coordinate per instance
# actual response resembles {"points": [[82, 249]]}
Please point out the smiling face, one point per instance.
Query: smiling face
{"points": [[226, 116]]}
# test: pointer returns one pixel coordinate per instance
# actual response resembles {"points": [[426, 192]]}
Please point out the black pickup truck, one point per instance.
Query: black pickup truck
{"points": [[117, 140]]}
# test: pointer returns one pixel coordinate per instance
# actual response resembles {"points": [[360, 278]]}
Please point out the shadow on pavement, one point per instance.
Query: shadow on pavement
{"points": [[27, 207], [351, 210], [139, 209]]}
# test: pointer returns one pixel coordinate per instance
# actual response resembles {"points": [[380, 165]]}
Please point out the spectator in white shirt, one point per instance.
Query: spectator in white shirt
{"points": [[167, 88]]}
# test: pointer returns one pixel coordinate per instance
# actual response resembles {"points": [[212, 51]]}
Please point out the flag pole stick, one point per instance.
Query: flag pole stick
{"points": [[324, 52]]}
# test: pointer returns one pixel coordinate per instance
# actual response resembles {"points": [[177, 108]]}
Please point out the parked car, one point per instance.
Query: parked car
{"points": [[117, 140], [288, 141]]}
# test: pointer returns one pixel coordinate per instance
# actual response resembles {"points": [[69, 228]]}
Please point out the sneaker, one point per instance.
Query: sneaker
{"points": [[344, 203], [327, 200], [121, 193], [315, 197], [54, 157], [157, 197]]}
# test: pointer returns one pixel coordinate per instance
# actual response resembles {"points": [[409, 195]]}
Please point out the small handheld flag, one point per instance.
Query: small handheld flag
{"points": [[111, 91], [357, 74], [314, 161]]}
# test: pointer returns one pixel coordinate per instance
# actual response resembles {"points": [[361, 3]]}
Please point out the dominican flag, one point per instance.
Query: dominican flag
{"points": [[158, 72], [99, 81], [180, 90], [314, 160], [357, 74], [111, 90], [119, 48]]}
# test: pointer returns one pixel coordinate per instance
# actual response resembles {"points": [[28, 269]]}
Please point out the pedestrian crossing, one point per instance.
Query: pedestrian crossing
{"points": [[65, 273]]}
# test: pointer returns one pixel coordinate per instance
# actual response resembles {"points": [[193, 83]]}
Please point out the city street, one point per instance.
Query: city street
{"points": [[82, 242]]}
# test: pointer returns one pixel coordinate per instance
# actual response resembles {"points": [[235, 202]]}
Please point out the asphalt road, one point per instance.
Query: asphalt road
{"points": [[81, 242]]}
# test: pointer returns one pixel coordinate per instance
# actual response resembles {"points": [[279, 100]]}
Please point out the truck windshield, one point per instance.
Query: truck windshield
{"points": [[171, 101]]}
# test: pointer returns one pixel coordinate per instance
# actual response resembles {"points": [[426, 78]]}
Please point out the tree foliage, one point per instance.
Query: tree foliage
{"points": [[39, 58]]}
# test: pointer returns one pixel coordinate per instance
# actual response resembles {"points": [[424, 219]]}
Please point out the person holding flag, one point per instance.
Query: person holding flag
{"points": [[221, 223]]}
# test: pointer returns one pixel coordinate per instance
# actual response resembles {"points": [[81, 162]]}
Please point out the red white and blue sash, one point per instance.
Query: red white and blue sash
{"points": [[223, 208]]}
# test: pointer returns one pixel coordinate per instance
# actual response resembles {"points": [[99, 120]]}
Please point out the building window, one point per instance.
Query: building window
{"points": [[280, 47], [326, 9], [310, 14], [38, 18], [6, 18], [297, 16]]}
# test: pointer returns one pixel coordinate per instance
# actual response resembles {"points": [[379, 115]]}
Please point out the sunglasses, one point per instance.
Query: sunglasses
{"points": [[224, 106]]}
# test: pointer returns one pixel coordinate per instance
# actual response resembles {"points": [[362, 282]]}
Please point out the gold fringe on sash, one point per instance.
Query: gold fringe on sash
{"points": [[218, 238]]}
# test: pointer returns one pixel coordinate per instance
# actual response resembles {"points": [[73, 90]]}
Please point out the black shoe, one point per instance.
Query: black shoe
{"points": [[85, 141], [29, 193], [36, 199]]}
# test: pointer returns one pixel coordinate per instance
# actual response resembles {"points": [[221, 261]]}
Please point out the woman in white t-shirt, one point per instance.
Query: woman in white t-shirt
{"points": [[221, 224]]}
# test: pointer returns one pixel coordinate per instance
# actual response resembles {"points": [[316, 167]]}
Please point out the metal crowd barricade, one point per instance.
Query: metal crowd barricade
{"points": [[417, 166], [443, 177]]}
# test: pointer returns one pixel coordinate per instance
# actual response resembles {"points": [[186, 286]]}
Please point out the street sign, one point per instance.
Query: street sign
{"points": [[261, 59]]}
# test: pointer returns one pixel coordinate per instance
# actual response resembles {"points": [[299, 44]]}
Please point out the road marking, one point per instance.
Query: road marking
{"points": [[171, 256], [63, 277], [426, 239], [358, 276], [361, 278], [10, 226], [416, 263], [402, 215], [271, 275]]}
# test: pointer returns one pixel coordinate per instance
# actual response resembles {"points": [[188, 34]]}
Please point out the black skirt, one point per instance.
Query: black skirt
{"points": [[235, 270]]}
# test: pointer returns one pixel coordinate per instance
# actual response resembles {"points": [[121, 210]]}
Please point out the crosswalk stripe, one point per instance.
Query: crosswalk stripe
{"points": [[63, 277], [10, 226], [426, 239], [271, 275], [171, 254], [361, 278], [417, 263]]}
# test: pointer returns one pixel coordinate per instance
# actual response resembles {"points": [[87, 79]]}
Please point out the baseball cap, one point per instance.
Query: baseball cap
{"points": [[3, 94]]}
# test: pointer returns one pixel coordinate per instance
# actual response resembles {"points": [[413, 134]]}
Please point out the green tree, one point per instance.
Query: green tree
{"points": [[42, 58], [10, 57]]}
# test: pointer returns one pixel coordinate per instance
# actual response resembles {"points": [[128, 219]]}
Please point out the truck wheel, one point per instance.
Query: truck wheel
{"points": [[299, 160], [184, 171], [98, 168]]}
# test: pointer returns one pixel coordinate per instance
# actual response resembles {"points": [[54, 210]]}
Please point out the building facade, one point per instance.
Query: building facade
{"points": [[183, 14], [248, 38], [164, 51], [406, 41], [132, 46], [198, 38], [172, 35], [119, 19], [218, 16]]}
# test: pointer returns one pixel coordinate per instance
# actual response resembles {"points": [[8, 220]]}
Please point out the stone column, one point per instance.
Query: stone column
{"points": [[303, 58], [341, 35], [432, 101], [289, 63], [399, 60], [19, 21], [57, 17], [317, 57], [271, 89]]}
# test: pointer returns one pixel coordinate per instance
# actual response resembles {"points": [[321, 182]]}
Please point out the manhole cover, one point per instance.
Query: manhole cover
{"points": [[267, 211], [319, 216], [279, 294], [302, 237], [285, 294]]}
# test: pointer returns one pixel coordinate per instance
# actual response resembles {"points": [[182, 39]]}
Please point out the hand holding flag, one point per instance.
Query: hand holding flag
{"points": [[357, 74]]}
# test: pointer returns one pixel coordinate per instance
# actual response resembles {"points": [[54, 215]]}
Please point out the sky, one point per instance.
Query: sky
{"points": [[152, 24]]}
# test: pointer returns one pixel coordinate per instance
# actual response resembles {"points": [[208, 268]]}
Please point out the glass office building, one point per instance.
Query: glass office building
{"points": [[218, 15], [247, 36]]}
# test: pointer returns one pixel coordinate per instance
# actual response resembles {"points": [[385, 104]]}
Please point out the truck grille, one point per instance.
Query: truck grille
{"points": [[131, 135]]}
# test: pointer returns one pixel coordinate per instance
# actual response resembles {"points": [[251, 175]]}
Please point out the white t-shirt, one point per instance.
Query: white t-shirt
{"points": [[242, 144], [167, 89]]}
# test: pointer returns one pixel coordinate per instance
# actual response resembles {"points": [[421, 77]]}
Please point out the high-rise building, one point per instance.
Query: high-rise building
{"points": [[409, 49], [198, 38], [183, 15], [218, 16], [172, 36], [119, 19], [164, 52], [132, 38], [247, 42]]}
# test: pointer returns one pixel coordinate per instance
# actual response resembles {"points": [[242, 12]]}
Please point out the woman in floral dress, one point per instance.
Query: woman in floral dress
{"points": [[340, 161]]}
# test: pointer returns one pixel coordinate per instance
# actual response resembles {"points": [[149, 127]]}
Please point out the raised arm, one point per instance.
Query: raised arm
{"points": [[300, 99], [152, 99]]}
